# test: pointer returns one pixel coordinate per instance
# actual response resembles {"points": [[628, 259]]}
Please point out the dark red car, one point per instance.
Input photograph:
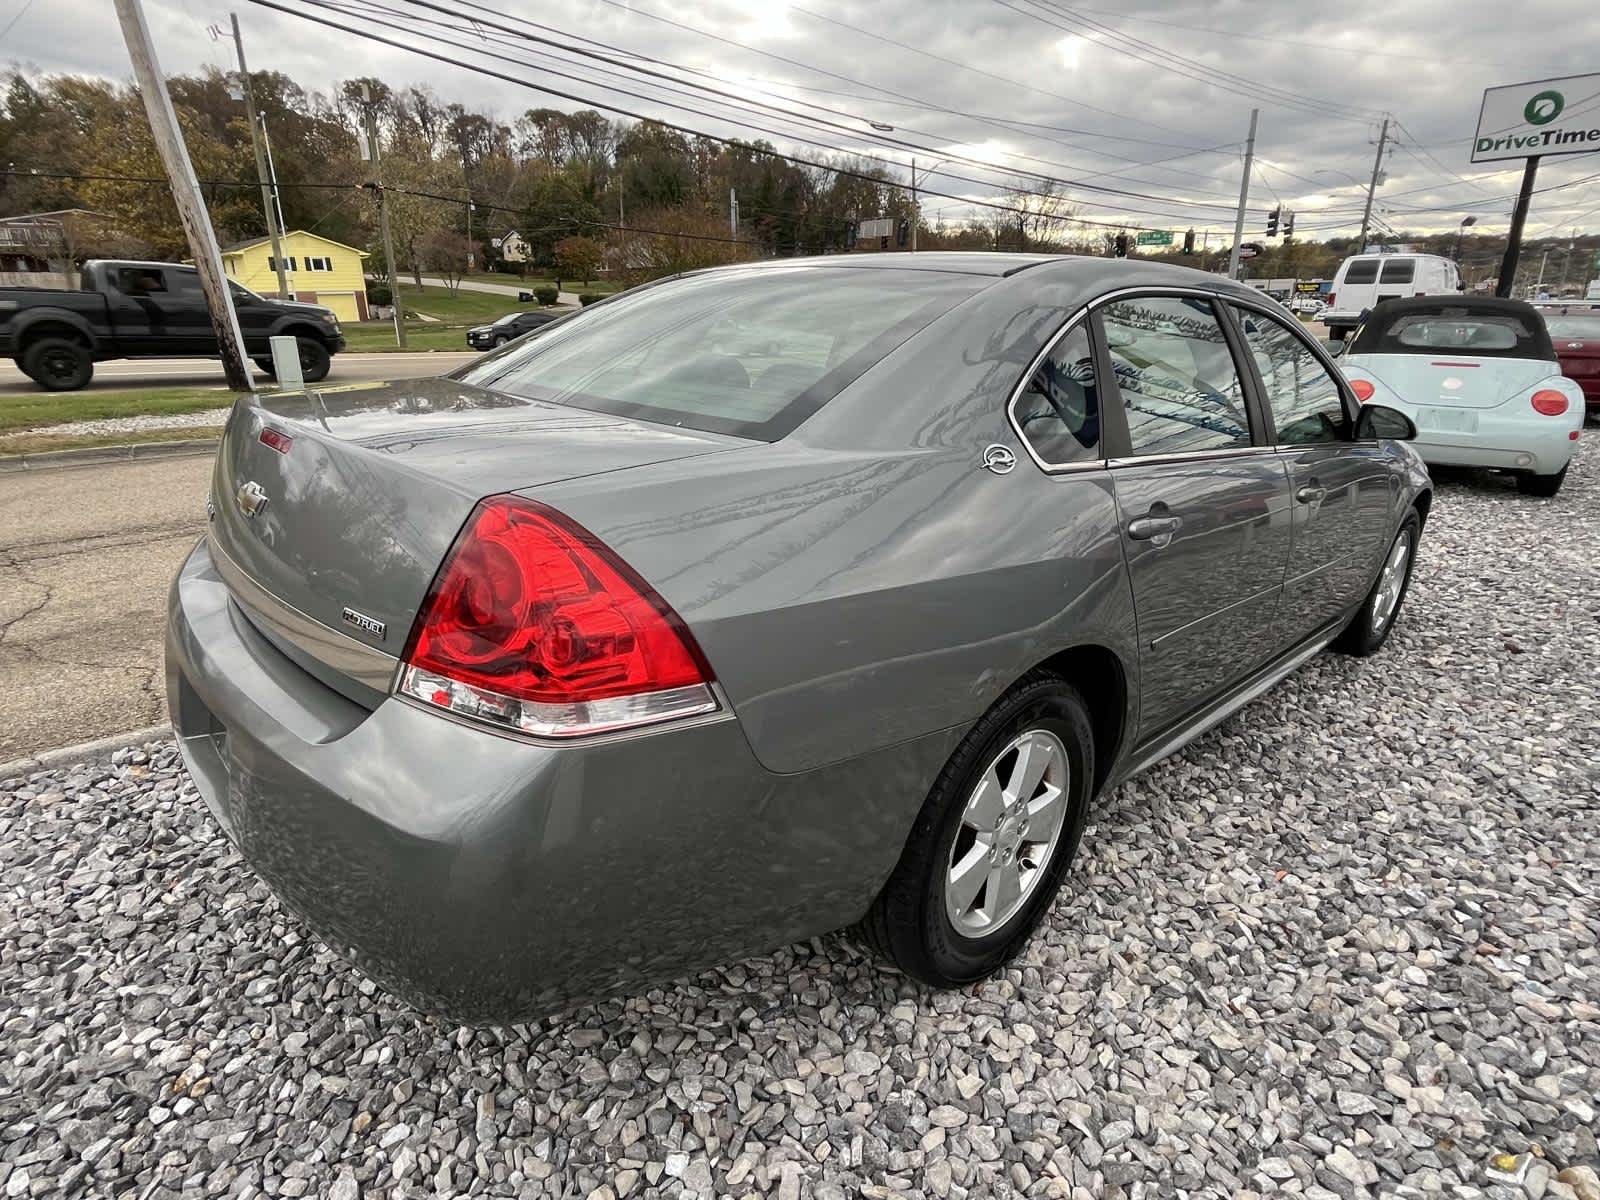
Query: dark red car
{"points": [[1575, 331]]}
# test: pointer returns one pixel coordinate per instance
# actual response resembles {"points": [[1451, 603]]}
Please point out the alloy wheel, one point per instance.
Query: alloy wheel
{"points": [[1009, 830], [1391, 582]]}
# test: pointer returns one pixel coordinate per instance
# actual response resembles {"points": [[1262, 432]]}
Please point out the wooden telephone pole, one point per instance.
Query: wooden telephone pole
{"points": [[185, 193]]}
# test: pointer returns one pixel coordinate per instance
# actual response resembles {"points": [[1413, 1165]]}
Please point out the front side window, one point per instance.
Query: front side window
{"points": [[751, 354], [1400, 270], [1176, 375], [1059, 410], [1362, 270], [1304, 398]]}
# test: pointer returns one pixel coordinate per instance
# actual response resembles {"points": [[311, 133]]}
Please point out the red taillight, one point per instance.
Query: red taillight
{"points": [[1550, 402], [1330, 298], [1363, 389], [277, 441], [533, 623]]}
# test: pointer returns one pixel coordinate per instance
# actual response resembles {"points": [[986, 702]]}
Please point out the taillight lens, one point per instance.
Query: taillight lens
{"points": [[1330, 298], [1550, 402], [534, 624], [1363, 389]]}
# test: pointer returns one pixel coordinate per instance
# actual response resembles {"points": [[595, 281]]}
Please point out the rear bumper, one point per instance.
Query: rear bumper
{"points": [[1504, 443], [496, 879]]}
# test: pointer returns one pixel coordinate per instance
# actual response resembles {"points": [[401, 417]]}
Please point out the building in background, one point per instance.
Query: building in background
{"points": [[513, 247], [45, 249], [318, 270]]}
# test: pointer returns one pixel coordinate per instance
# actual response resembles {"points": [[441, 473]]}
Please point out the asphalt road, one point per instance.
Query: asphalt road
{"points": [[124, 374], [86, 554]]}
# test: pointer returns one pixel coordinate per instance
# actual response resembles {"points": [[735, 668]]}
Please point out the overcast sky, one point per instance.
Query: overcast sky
{"points": [[1032, 85]]}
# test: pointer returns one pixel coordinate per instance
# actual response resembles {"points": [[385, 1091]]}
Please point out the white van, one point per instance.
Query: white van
{"points": [[1365, 279]]}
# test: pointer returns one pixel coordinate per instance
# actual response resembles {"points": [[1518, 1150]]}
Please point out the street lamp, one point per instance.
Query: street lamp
{"points": [[1461, 229]]}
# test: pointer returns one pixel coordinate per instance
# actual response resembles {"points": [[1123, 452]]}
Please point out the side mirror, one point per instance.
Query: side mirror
{"points": [[1381, 421], [1334, 348]]}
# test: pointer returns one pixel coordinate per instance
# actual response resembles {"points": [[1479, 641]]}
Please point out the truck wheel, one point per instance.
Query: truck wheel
{"points": [[58, 365], [314, 360]]}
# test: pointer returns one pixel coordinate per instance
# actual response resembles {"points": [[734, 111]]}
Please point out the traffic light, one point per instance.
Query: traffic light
{"points": [[1188, 242], [1288, 223], [1272, 221], [902, 232], [1122, 245]]}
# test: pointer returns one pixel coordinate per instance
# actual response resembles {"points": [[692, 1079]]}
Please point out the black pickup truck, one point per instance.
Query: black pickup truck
{"points": [[148, 310]]}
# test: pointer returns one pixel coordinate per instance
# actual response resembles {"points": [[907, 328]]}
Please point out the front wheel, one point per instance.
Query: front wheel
{"points": [[1546, 486], [993, 840], [315, 361], [1374, 622]]}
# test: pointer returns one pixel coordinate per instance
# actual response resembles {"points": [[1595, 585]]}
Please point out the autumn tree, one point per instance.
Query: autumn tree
{"points": [[578, 257]]}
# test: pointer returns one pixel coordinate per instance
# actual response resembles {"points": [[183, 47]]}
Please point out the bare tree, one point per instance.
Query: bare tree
{"points": [[447, 254]]}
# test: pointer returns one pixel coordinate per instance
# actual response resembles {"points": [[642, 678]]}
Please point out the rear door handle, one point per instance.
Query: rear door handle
{"points": [[1145, 529], [1310, 495]]}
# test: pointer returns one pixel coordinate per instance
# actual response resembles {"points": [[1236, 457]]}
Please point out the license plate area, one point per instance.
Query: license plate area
{"points": [[1447, 420]]}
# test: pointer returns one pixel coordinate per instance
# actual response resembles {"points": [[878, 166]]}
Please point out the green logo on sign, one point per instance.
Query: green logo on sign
{"points": [[1544, 108]]}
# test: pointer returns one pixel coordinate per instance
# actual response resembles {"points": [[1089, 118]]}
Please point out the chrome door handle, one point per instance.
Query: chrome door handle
{"points": [[1310, 495], [1147, 528]]}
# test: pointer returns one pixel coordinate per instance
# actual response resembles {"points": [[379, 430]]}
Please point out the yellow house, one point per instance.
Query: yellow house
{"points": [[318, 270]]}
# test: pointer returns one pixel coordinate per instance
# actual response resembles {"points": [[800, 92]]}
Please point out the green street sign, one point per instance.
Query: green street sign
{"points": [[1154, 237]]}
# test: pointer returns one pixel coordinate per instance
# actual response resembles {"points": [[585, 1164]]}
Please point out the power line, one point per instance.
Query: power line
{"points": [[777, 112], [1153, 55], [369, 35]]}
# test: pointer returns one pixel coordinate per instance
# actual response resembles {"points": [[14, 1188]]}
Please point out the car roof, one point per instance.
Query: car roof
{"points": [[964, 262], [1473, 304]]}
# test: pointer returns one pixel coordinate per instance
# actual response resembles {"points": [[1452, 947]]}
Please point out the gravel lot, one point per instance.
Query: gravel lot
{"points": [[1343, 946]]}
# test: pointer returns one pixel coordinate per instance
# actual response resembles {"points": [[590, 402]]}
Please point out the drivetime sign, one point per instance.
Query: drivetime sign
{"points": [[1548, 116]]}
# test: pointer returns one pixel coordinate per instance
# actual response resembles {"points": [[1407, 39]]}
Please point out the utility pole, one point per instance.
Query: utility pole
{"points": [[733, 212], [383, 219], [273, 231], [1372, 185], [1244, 195], [185, 193], [916, 209]]}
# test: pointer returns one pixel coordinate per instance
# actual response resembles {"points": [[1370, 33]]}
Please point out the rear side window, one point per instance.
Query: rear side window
{"points": [[1361, 270], [1059, 411], [140, 281], [1399, 270], [1456, 329], [1175, 375], [751, 354]]}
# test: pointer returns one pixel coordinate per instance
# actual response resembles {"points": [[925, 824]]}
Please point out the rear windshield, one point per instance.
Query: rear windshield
{"points": [[1575, 326], [1468, 332], [1362, 270], [751, 354]]}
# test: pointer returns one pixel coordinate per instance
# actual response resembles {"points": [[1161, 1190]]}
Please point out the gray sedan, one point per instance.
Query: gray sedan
{"points": [[764, 601]]}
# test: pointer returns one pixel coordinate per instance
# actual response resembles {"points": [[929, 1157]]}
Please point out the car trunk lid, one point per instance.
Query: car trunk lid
{"points": [[332, 510], [1455, 381]]}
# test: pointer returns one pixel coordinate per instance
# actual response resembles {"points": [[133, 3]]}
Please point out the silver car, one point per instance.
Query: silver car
{"points": [[764, 601]]}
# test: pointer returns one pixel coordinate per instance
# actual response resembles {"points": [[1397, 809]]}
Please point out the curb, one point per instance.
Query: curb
{"points": [[90, 455], [104, 747]]}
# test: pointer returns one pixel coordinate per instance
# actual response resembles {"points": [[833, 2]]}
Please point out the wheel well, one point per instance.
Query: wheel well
{"points": [[1424, 502], [301, 331], [1098, 675], [48, 329]]}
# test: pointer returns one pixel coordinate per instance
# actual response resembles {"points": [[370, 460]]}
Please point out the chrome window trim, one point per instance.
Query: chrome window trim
{"points": [[1097, 463], [1079, 315]]}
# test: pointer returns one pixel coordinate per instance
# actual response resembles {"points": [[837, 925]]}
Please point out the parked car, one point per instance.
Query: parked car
{"points": [[1311, 306], [761, 601], [512, 325], [148, 310], [1365, 281], [1480, 379], [1575, 334]]}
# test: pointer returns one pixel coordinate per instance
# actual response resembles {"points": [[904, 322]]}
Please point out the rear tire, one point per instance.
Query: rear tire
{"points": [[265, 366], [58, 364], [1366, 634], [315, 361], [911, 922], [1546, 486]]}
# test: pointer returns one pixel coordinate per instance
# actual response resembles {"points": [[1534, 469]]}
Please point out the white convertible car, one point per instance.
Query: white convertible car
{"points": [[1480, 379]]}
